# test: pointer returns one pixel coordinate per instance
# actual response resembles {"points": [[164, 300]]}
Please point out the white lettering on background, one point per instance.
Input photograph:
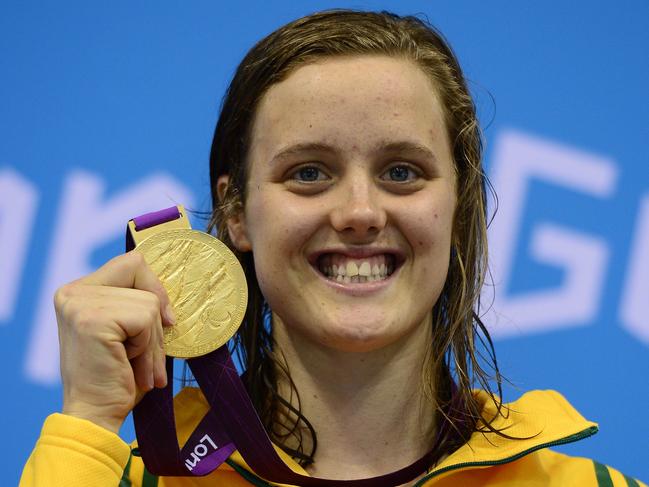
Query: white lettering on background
{"points": [[85, 222], [634, 308], [18, 201], [200, 450], [518, 159]]}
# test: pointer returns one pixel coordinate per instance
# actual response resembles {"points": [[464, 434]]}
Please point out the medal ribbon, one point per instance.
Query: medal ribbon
{"points": [[230, 424]]}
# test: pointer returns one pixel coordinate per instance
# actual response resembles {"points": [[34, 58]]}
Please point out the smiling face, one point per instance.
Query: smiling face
{"points": [[349, 201]]}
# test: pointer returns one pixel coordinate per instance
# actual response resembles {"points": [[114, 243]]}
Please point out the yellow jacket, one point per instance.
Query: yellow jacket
{"points": [[75, 452]]}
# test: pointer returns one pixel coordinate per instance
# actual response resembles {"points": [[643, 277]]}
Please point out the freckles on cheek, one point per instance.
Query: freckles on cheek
{"points": [[424, 232], [428, 231]]}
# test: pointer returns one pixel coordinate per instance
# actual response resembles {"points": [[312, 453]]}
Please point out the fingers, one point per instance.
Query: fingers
{"points": [[124, 281], [144, 345], [111, 339], [143, 370], [129, 318], [130, 270], [159, 360]]}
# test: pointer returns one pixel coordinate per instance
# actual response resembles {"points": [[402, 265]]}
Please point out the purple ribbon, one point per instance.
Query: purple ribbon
{"points": [[155, 218], [230, 424], [207, 447]]}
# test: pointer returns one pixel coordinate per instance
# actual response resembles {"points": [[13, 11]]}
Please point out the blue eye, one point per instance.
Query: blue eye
{"points": [[309, 174], [400, 174]]}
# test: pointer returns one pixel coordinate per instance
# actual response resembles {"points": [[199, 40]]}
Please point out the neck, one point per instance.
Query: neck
{"points": [[368, 409]]}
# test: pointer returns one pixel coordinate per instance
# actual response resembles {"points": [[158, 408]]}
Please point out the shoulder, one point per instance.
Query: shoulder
{"points": [[533, 424], [564, 469], [541, 468]]}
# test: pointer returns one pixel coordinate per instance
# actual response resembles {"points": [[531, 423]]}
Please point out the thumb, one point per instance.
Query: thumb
{"points": [[130, 270]]}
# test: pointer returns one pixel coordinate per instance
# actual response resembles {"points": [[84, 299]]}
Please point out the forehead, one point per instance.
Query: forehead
{"points": [[392, 75], [351, 99]]}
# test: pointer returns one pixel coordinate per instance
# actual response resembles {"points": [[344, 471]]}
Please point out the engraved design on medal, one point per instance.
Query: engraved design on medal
{"points": [[206, 286]]}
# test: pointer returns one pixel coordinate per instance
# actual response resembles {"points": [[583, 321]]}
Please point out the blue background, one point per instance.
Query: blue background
{"points": [[125, 90]]}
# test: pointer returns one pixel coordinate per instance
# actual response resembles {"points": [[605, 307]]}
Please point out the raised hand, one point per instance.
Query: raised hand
{"points": [[111, 339]]}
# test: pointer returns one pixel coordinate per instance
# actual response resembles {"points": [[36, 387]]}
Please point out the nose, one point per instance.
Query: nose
{"points": [[359, 212]]}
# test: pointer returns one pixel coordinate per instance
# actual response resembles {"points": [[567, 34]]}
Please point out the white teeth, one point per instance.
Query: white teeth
{"points": [[357, 271], [351, 268]]}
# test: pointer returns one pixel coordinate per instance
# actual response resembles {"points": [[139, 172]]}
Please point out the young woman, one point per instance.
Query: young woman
{"points": [[346, 176]]}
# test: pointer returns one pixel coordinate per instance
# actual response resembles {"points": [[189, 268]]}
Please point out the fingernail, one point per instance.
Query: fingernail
{"points": [[170, 315]]}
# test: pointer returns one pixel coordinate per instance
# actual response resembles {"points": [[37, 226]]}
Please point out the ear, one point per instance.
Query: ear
{"points": [[237, 222]]}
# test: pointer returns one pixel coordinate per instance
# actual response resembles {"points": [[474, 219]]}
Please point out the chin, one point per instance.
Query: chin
{"points": [[358, 338]]}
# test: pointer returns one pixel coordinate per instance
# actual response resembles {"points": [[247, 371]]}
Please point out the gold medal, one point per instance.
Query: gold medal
{"points": [[206, 286]]}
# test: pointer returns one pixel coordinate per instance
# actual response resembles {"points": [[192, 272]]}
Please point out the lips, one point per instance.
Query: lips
{"points": [[345, 268]]}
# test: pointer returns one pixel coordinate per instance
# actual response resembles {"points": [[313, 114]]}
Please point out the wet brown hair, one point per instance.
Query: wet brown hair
{"points": [[455, 363]]}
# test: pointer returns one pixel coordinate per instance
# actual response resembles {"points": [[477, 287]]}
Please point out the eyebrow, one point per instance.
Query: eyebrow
{"points": [[303, 147], [408, 147], [384, 146]]}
